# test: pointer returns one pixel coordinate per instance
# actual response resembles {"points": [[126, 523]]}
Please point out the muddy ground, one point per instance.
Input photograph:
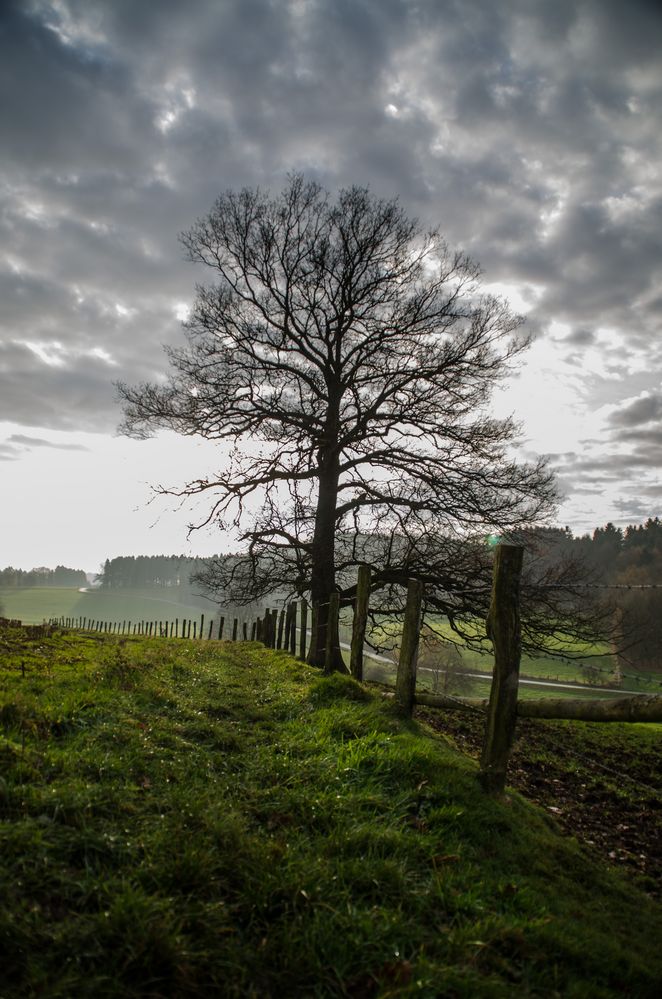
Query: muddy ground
{"points": [[601, 782]]}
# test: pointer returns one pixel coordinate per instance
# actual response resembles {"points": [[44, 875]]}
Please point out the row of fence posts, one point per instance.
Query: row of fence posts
{"points": [[190, 628], [274, 629]]}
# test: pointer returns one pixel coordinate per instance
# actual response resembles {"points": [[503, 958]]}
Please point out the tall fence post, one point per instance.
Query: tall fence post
{"points": [[281, 625], [304, 625], [291, 646], [334, 610], [405, 682], [503, 628], [359, 622], [314, 617]]}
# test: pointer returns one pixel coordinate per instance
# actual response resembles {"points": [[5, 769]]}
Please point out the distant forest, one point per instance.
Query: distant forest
{"points": [[60, 576], [632, 557], [149, 570]]}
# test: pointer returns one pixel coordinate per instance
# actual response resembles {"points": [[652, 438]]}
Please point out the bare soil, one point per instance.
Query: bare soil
{"points": [[602, 783]]}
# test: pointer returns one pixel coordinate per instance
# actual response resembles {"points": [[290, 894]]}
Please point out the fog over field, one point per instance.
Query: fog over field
{"points": [[530, 132]]}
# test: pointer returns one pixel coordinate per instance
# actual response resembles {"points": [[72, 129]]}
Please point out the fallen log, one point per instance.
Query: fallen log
{"points": [[640, 708]]}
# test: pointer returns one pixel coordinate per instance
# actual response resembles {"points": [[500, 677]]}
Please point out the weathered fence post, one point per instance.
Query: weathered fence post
{"points": [[503, 628], [304, 626], [281, 625], [359, 622], [235, 625], [293, 628], [314, 617], [331, 631], [220, 628], [405, 682]]}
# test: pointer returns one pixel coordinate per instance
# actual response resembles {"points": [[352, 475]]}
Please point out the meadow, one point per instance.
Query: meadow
{"points": [[32, 605], [188, 818]]}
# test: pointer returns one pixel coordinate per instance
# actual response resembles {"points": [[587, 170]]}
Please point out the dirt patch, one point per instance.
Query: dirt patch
{"points": [[602, 783]]}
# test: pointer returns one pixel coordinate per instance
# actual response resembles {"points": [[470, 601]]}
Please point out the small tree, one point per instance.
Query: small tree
{"points": [[349, 355]]}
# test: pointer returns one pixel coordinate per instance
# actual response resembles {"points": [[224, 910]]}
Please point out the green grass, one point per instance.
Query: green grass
{"points": [[187, 819], [35, 604], [597, 670]]}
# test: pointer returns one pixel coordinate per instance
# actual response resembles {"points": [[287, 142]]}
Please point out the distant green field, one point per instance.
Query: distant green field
{"points": [[35, 604], [598, 670]]}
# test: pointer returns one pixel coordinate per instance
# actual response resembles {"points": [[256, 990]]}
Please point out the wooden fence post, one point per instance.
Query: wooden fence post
{"points": [[359, 622], [405, 682], [331, 630], [503, 628], [281, 625], [314, 617], [293, 628], [235, 625], [304, 626], [220, 628]]}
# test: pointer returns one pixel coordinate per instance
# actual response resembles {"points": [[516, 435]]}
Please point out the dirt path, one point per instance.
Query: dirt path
{"points": [[602, 783]]}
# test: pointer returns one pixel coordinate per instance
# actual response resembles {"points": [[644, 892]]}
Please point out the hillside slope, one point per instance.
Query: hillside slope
{"points": [[185, 819]]}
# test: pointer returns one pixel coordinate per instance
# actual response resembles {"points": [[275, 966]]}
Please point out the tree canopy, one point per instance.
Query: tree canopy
{"points": [[349, 355]]}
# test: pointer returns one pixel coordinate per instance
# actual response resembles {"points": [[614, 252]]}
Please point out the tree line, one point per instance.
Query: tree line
{"points": [[148, 570], [631, 557], [59, 576]]}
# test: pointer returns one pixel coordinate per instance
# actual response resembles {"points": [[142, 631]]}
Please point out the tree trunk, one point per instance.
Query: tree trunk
{"points": [[323, 571]]}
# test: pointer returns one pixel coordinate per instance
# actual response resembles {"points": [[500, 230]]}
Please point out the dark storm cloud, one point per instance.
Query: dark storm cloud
{"points": [[642, 410], [531, 132]]}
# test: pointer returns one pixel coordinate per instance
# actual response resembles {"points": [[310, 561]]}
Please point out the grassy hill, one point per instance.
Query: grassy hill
{"points": [[187, 818], [35, 604]]}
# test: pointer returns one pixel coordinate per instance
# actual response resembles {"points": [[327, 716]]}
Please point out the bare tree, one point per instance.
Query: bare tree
{"points": [[350, 356]]}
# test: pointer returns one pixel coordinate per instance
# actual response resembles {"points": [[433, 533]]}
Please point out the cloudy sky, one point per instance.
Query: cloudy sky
{"points": [[530, 131]]}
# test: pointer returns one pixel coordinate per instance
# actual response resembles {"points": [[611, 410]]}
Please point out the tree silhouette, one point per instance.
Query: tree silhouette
{"points": [[349, 356]]}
